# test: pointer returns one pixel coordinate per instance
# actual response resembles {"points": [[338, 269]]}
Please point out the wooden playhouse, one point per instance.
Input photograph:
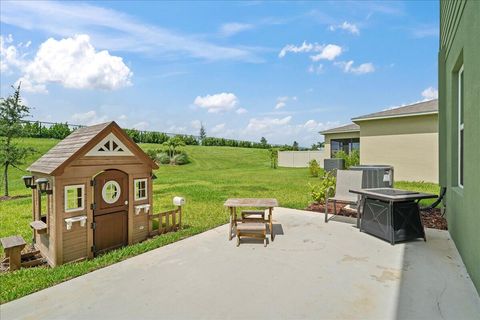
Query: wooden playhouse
{"points": [[91, 193]]}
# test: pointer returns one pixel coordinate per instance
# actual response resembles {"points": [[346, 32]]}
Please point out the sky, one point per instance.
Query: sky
{"points": [[281, 70]]}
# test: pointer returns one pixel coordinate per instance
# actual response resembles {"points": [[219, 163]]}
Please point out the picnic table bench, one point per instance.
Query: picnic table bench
{"points": [[13, 247], [253, 220]]}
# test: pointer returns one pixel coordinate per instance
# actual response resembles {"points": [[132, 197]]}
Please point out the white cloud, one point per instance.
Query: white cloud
{"points": [[28, 86], [310, 124], [350, 27], [177, 129], [115, 30], [88, 118], [216, 103], [348, 67], [241, 111], [122, 117], [142, 125], [10, 58], [230, 29], [261, 125], [219, 128], [304, 47], [315, 69], [74, 63], [281, 130], [430, 93], [281, 102], [329, 52], [196, 124]]}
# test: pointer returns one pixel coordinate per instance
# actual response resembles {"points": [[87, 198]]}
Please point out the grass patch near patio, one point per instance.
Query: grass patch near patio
{"points": [[419, 186], [215, 174]]}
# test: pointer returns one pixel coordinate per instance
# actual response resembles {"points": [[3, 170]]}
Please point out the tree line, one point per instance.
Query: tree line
{"points": [[37, 129]]}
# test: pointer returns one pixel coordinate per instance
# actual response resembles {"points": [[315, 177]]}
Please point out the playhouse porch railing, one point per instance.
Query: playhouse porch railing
{"points": [[166, 221]]}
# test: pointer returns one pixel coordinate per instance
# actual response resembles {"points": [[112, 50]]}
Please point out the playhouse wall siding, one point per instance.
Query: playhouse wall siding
{"points": [[140, 222], [73, 243], [76, 243], [45, 242]]}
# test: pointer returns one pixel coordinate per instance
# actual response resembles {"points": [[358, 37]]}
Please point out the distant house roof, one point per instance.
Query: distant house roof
{"points": [[78, 143], [346, 128], [427, 107]]}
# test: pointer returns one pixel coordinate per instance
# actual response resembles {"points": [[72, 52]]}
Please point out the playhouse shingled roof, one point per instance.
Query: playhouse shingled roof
{"points": [[77, 143]]}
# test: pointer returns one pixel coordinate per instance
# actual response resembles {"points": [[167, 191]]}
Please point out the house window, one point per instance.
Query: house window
{"points": [[74, 198], [460, 108], [140, 189], [346, 145]]}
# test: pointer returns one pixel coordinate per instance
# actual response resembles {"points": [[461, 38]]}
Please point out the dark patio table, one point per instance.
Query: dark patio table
{"points": [[391, 214]]}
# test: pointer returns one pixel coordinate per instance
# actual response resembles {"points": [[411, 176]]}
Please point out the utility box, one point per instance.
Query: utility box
{"points": [[333, 164], [376, 176]]}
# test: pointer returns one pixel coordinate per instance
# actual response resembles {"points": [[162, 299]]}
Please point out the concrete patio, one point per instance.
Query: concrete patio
{"points": [[313, 270]]}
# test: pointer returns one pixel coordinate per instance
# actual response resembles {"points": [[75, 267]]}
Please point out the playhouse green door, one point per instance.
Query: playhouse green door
{"points": [[110, 212]]}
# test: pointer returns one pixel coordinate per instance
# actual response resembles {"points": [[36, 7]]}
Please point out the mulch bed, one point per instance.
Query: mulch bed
{"points": [[430, 218]]}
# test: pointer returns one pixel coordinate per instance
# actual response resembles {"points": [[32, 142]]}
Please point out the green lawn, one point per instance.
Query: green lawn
{"points": [[215, 174]]}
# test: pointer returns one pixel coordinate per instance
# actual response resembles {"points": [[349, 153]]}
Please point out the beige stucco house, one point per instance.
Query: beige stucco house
{"points": [[404, 137]]}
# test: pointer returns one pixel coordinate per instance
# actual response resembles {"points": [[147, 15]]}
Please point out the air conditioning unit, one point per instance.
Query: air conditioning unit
{"points": [[376, 176], [333, 164]]}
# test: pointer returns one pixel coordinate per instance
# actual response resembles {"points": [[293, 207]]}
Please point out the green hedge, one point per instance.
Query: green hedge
{"points": [[62, 130]]}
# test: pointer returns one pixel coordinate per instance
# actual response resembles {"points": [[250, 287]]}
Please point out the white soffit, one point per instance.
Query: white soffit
{"points": [[109, 146]]}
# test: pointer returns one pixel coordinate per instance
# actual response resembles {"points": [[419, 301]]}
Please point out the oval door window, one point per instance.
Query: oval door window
{"points": [[111, 191]]}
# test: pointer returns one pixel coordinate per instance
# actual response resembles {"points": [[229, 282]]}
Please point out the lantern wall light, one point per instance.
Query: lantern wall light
{"points": [[43, 185], [28, 180]]}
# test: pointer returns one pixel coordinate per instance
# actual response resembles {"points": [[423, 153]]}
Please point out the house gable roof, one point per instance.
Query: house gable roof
{"points": [[420, 108], [346, 128], [78, 143]]}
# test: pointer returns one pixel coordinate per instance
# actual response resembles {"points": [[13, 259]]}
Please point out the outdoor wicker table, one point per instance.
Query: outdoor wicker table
{"points": [[391, 214], [234, 203]]}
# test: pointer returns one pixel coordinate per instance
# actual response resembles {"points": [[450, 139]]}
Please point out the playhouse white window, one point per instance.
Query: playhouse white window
{"points": [[140, 189], [74, 198], [111, 191]]}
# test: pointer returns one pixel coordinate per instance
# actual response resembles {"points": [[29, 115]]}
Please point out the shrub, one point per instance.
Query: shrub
{"points": [[274, 158], [180, 159], [162, 158], [153, 153], [352, 159], [314, 168], [326, 188]]}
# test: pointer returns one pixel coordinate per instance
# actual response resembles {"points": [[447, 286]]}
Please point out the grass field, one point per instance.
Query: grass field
{"points": [[215, 174]]}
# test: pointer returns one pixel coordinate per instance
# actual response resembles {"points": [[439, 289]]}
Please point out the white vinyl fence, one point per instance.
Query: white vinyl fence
{"points": [[300, 159]]}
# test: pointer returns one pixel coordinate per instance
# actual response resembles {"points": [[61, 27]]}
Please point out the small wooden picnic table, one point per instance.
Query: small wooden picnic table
{"points": [[234, 203]]}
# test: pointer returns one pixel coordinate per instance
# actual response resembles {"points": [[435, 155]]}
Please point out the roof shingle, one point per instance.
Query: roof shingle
{"points": [[66, 148], [430, 106], [346, 128]]}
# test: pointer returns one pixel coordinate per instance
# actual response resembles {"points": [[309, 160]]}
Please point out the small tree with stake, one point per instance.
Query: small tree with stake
{"points": [[295, 146], [263, 142], [12, 112], [203, 133]]}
